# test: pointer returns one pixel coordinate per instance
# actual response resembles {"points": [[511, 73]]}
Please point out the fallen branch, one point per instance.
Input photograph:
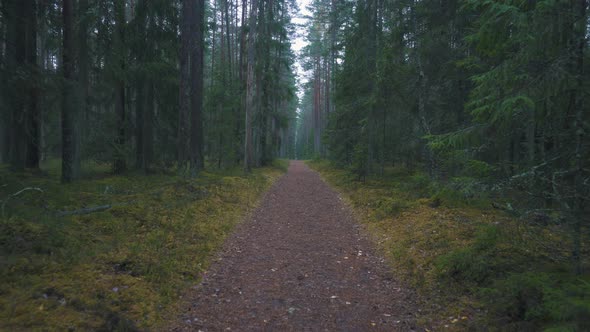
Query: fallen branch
{"points": [[90, 210], [25, 189], [18, 193], [84, 211]]}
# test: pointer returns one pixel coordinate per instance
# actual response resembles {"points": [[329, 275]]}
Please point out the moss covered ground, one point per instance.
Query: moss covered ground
{"points": [[474, 266], [122, 268]]}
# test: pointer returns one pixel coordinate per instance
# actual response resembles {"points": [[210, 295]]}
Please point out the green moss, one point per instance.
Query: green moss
{"points": [[475, 263], [118, 269], [530, 300], [478, 264]]}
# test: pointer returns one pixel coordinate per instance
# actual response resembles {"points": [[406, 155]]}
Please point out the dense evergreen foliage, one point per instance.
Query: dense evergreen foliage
{"points": [[145, 84], [420, 102], [487, 94], [123, 133], [488, 100]]}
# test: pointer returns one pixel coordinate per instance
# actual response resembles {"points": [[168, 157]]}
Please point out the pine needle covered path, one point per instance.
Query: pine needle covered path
{"points": [[299, 263]]}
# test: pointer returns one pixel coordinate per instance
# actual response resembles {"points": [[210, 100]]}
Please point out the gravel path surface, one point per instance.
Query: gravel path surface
{"points": [[299, 263]]}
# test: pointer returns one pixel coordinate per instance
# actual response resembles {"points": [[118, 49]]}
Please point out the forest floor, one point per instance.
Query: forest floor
{"points": [[300, 262], [472, 265], [119, 268]]}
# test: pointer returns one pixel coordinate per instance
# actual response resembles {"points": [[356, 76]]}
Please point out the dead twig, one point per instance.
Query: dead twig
{"points": [[89, 210], [17, 194], [84, 211]]}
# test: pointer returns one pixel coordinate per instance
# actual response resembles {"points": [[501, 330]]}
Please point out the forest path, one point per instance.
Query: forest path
{"points": [[299, 263]]}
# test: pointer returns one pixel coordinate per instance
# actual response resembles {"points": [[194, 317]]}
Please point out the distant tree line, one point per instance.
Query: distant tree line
{"points": [[146, 84], [490, 94]]}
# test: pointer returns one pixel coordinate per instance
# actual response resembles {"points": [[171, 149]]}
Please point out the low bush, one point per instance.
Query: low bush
{"points": [[538, 300], [475, 263]]}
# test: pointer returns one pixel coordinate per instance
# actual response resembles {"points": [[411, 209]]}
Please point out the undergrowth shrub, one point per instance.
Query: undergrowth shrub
{"points": [[460, 162], [417, 185], [389, 206], [282, 164], [18, 235], [525, 301], [461, 192], [465, 265], [478, 169], [492, 254], [474, 264], [501, 273]]}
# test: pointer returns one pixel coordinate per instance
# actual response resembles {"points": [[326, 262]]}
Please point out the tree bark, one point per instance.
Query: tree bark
{"points": [[70, 157], [148, 128], [32, 123], [213, 41], [8, 64], [140, 106], [228, 38], [19, 109], [185, 84], [120, 164], [141, 84], [197, 61], [317, 107], [250, 88], [83, 68]]}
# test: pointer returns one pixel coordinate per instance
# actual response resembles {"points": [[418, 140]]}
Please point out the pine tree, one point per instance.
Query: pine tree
{"points": [[70, 140]]}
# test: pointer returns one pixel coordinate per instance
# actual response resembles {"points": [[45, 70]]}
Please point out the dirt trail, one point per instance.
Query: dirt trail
{"points": [[300, 263]]}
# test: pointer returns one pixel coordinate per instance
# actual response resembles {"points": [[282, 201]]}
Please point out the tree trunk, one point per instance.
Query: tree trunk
{"points": [[70, 158], [32, 120], [18, 61], [250, 88], [148, 130], [578, 47], [120, 164], [228, 39], [422, 97], [8, 26], [185, 84], [84, 69], [197, 61], [32, 103], [140, 106], [317, 108], [140, 13], [213, 41], [530, 138], [243, 70], [221, 98]]}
